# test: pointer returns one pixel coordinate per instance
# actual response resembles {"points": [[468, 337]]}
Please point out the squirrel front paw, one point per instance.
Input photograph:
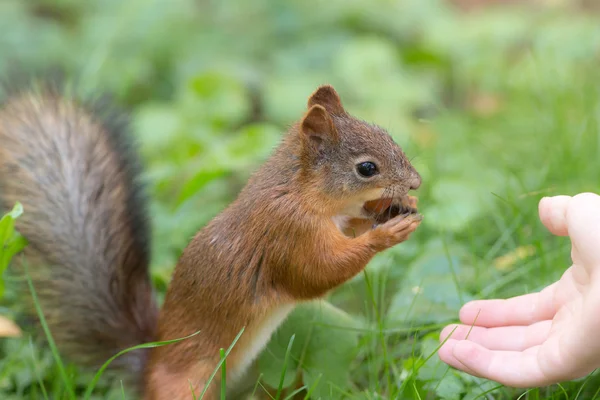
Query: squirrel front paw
{"points": [[394, 231]]}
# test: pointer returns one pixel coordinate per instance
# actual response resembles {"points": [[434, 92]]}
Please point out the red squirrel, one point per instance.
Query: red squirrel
{"points": [[332, 195]]}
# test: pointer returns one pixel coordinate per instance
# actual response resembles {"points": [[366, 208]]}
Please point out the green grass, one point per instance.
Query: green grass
{"points": [[495, 109]]}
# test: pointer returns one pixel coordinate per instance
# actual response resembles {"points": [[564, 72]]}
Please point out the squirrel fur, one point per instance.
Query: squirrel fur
{"points": [[297, 230]]}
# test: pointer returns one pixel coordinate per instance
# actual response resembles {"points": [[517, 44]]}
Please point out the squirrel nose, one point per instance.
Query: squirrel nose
{"points": [[415, 181]]}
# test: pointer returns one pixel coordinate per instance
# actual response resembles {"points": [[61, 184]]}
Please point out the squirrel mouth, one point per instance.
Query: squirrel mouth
{"points": [[384, 209]]}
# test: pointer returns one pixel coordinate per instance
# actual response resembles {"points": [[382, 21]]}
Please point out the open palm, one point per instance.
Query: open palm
{"points": [[540, 338]]}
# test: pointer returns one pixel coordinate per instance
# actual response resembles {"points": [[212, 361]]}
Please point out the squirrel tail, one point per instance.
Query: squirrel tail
{"points": [[71, 165]]}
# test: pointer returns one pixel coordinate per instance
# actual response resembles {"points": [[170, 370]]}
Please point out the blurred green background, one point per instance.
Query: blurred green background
{"points": [[496, 103]]}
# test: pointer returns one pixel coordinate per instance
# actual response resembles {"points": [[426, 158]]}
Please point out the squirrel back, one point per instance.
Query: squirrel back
{"points": [[71, 166]]}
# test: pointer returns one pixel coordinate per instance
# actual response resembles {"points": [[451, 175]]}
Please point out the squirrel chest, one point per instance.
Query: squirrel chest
{"points": [[257, 335]]}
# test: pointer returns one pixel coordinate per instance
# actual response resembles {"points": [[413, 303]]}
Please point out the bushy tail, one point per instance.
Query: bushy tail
{"points": [[72, 168]]}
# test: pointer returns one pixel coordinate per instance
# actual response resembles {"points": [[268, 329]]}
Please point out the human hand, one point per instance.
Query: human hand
{"points": [[541, 338]]}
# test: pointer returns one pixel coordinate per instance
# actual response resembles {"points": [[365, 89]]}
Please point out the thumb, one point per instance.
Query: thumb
{"points": [[583, 220], [553, 214]]}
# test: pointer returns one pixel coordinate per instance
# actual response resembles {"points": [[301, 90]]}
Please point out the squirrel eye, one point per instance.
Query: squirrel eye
{"points": [[366, 169]]}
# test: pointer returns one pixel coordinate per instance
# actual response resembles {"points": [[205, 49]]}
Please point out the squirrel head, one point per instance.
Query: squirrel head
{"points": [[351, 161]]}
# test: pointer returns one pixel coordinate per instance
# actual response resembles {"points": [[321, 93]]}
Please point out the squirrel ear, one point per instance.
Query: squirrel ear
{"points": [[317, 126], [327, 97]]}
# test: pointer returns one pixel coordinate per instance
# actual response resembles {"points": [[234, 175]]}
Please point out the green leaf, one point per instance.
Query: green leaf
{"points": [[11, 242], [449, 388], [431, 291], [457, 203], [16, 211], [198, 182], [157, 124], [218, 97], [7, 224], [251, 145]]}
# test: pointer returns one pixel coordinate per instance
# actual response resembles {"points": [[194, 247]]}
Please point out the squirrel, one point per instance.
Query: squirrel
{"points": [[334, 193]]}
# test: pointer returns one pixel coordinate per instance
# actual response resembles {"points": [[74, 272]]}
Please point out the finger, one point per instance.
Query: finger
{"points": [[414, 226], [406, 226], [583, 220], [521, 310], [513, 338], [510, 368], [553, 211], [446, 354], [397, 223]]}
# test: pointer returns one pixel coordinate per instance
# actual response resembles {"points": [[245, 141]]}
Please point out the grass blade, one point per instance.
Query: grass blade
{"points": [[292, 395], [192, 389], [313, 387], [37, 372], [285, 364], [212, 376], [51, 343], [98, 375], [223, 374]]}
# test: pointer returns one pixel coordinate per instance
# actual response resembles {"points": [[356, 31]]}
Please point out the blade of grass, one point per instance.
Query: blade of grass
{"points": [[563, 390], [285, 364], [313, 387], [37, 372], [333, 387], [524, 394], [483, 394], [583, 384], [150, 345], [256, 385], [596, 394], [452, 270], [212, 376], [265, 390], [223, 374], [422, 362], [51, 343], [192, 389], [381, 336], [416, 390], [295, 392]]}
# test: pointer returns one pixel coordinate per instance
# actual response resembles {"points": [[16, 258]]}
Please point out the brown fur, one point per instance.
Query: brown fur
{"points": [[85, 220], [276, 244]]}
